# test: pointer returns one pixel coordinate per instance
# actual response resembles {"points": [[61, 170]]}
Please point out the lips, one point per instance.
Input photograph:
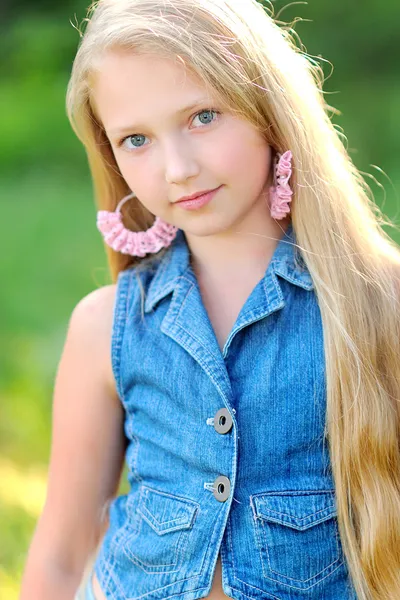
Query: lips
{"points": [[194, 196], [200, 201]]}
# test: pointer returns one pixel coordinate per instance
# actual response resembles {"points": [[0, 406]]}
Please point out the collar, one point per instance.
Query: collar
{"points": [[286, 261]]}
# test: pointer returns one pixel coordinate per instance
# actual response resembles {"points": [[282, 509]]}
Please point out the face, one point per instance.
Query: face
{"points": [[172, 137]]}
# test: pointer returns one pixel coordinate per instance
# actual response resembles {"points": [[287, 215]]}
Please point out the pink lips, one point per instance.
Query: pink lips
{"points": [[198, 202]]}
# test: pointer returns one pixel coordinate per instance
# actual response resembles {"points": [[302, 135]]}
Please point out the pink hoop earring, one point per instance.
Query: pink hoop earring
{"points": [[280, 194], [136, 243]]}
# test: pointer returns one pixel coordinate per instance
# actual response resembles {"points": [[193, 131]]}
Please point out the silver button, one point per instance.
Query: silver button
{"points": [[223, 421], [222, 488]]}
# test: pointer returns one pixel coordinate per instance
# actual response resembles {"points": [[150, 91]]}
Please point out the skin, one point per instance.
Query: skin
{"points": [[174, 155]]}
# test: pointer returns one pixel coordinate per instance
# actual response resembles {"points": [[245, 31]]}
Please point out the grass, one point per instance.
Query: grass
{"points": [[53, 257]]}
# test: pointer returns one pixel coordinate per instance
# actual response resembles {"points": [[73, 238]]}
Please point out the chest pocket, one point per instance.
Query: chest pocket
{"points": [[297, 536], [160, 532]]}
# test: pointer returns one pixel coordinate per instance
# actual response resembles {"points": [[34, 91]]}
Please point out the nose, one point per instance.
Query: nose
{"points": [[180, 162]]}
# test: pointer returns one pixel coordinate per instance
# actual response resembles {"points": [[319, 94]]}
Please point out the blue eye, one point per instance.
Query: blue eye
{"points": [[137, 136], [131, 137], [204, 112]]}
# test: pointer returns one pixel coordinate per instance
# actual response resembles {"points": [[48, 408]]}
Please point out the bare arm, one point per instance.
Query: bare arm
{"points": [[87, 454]]}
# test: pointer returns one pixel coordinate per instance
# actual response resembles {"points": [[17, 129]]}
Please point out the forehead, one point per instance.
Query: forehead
{"points": [[144, 85], [118, 60]]}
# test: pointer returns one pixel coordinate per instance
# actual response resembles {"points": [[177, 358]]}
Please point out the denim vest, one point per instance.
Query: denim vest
{"points": [[226, 450]]}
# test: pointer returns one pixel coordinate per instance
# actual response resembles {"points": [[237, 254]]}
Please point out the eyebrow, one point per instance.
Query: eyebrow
{"points": [[124, 130]]}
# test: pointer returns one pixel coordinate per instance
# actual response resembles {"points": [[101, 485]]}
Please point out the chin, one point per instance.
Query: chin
{"points": [[205, 229]]}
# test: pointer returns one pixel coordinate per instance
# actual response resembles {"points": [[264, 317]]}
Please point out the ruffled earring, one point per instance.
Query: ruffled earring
{"points": [[136, 243], [280, 194]]}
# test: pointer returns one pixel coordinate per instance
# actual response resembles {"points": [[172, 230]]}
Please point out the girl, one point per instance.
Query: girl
{"points": [[245, 361]]}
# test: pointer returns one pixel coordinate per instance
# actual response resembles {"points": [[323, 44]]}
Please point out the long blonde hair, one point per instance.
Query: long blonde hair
{"points": [[238, 48]]}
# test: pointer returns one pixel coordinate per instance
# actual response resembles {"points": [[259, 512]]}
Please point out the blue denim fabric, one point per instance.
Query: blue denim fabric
{"points": [[277, 529]]}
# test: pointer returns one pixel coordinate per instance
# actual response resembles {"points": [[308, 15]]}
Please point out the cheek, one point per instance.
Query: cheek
{"points": [[138, 179], [141, 182], [246, 156]]}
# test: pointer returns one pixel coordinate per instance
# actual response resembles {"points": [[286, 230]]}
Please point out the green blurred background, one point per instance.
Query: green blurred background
{"points": [[52, 253]]}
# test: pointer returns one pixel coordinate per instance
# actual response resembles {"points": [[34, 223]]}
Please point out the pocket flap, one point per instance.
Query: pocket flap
{"points": [[299, 510], [166, 512]]}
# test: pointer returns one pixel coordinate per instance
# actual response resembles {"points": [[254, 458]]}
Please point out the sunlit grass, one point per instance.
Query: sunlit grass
{"points": [[24, 488], [9, 585], [22, 495], [57, 258]]}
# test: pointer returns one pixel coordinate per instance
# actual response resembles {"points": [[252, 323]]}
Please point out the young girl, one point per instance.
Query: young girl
{"points": [[245, 361]]}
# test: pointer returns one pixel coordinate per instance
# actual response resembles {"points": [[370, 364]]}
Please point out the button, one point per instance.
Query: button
{"points": [[223, 421], [222, 488]]}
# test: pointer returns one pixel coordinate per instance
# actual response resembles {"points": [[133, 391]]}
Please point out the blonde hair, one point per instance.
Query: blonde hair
{"points": [[239, 49]]}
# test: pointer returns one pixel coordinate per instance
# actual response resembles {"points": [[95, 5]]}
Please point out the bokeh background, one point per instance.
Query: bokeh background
{"points": [[52, 253]]}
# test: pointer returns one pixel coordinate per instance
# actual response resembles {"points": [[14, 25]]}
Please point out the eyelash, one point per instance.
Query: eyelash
{"points": [[204, 110]]}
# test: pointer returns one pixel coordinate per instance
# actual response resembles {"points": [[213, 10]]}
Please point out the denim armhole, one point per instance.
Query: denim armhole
{"points": [[120, 316]]}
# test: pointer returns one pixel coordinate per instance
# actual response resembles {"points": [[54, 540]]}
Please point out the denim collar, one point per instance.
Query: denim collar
{"points": [[286, 262]]}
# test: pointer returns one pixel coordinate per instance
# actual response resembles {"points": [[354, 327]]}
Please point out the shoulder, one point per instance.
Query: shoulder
{"points": [[90, 327], [94, 312], [96, 302]]}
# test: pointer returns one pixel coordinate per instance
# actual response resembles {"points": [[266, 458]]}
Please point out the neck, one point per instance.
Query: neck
{"points": [[230, 255]]}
